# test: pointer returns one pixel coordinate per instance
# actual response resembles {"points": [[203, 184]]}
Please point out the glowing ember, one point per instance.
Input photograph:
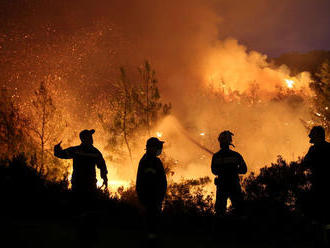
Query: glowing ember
{"points": [[118, 183], [289, 83], [159, 134], [99, 183], [114, 184]]}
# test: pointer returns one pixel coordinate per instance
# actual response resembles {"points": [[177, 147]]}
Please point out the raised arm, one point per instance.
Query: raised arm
{"points": [[64, 154]]}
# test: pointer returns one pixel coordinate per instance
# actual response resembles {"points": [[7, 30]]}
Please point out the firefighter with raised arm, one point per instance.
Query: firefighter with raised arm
{"points": [[227, 165], [85, 157], [84, 184]]}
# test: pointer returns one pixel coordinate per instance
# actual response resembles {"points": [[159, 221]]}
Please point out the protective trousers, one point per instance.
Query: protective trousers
{"points": [[234, 193], [153, 212]]}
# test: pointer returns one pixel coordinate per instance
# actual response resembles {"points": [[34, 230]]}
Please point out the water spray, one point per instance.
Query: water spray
{"points": [[197, 143], [191, 139]]}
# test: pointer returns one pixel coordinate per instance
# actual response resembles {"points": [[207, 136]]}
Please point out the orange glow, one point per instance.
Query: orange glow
{"points": [[99, 183], [159, 134], [213, 84], [229, 67], [289, 83], [114, 184]]}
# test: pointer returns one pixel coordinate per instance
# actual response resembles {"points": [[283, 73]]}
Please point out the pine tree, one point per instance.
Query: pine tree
{"points": [[12, 125], [149, 99], [45, 124], [135, 107], [321, 87], [122, 122]]}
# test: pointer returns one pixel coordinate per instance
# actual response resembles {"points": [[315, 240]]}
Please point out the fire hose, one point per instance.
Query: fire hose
{"points": [[198, 144], [191, 139]]}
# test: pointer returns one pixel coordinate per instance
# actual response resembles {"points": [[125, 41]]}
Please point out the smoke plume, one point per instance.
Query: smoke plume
{"points": [[213, 84]]}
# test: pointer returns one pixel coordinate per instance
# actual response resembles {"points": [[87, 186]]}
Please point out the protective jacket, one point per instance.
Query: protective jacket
{"points": [[85, 157], [318, 161], [227, 165], [151, 183]]}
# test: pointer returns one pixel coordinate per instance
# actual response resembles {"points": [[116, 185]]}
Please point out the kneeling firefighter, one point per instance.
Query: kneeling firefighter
{"points": [[227, 165]]}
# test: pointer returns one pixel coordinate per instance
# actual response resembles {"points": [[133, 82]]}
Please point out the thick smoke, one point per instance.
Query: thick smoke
{"points": [[213, 84]]}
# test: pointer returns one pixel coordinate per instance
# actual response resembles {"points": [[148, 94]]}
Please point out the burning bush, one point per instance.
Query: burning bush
{"points": [[188, 198], [277, 189]]}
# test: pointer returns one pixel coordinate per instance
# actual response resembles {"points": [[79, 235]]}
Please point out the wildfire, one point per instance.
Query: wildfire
{"points": [[114, 184], [290, 83], [159, 134], [99, 183], [119, 183]]}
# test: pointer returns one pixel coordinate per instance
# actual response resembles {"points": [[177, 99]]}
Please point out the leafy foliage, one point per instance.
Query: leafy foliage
{"points": [[12, 126], [135, 107], [21, 184], [188, 198], [45, 125], [279, 187]]}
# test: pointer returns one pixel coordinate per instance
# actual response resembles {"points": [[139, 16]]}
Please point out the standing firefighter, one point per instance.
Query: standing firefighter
{"points": [[84, 188], [227, 165], [151, 184], [317, 160], [85, 157]]}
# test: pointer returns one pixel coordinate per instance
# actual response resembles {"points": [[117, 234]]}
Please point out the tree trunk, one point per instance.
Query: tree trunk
{"points": [[124, 119], [43, 135], [147, 107]]}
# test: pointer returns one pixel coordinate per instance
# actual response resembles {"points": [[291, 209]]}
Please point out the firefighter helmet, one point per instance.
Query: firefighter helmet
{"points": [[317, 131], [225, 138]]}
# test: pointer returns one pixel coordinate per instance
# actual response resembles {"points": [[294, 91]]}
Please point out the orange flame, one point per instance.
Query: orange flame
{"points": [[290, 83]]}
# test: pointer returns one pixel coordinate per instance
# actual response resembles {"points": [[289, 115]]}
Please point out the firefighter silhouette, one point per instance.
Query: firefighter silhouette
{"points": [[227, 165], [151, 185], [85, 157], [84, 188], [317, 160]]}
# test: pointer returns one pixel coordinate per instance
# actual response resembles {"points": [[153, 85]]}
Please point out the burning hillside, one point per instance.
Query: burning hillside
{"points": [[212, 85]]}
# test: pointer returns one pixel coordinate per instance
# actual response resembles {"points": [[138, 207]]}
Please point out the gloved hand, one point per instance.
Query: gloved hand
{"points": [[58, 146], [105, 182]]}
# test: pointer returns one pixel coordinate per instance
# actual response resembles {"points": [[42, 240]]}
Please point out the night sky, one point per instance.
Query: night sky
{"points": [[277, 26], [271, 27]]}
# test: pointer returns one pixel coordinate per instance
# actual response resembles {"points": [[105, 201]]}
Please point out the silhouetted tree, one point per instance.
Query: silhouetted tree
{"points": [[149, 97], [321, 87], [12, 125], [281, 186], [123, 120], [135, 107], [45, 122], [188, 197]]}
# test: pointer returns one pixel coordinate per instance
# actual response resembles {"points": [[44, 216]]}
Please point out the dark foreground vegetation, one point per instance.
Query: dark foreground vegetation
{"points": [[36, 212]]}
